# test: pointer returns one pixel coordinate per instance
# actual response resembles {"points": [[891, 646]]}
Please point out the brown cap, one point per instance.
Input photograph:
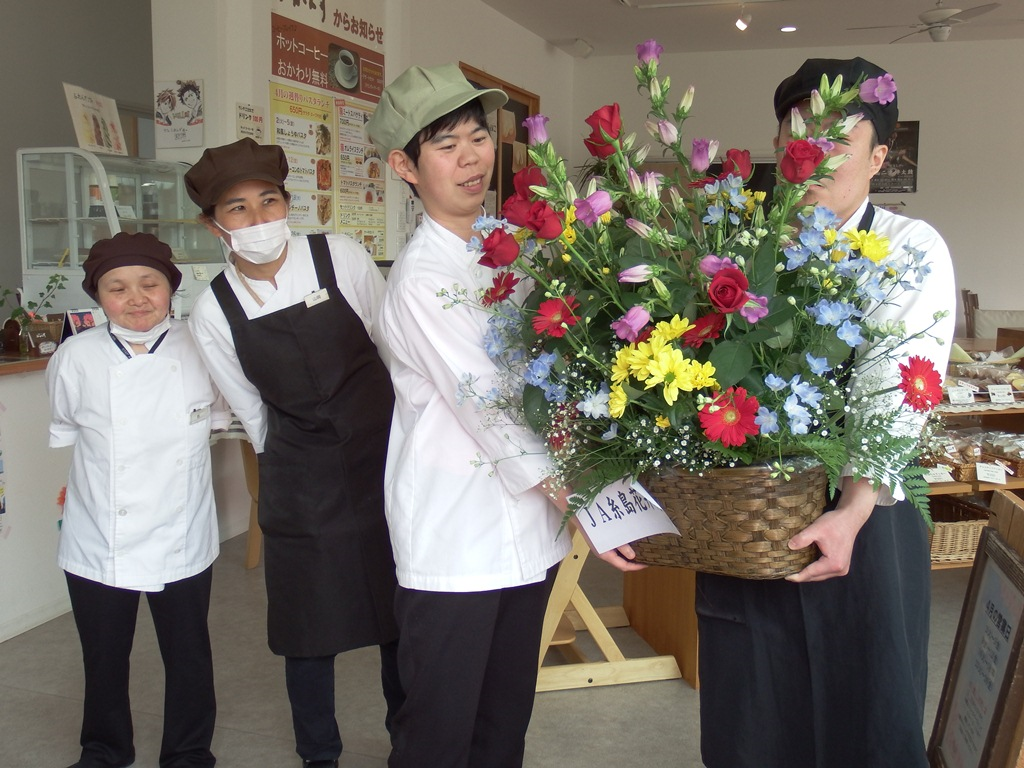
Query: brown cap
{"points": [[220, 168], [124, 250]]}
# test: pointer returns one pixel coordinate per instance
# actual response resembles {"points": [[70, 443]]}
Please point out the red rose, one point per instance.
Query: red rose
{"points": [[516, 210], [737, 162], [500, 249], [530, 176], [544, 221], [604, 122], [728, 289], [800, 160]]}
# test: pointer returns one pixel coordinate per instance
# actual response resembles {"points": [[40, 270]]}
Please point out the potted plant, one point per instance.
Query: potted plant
{"points": [[22, 316]]}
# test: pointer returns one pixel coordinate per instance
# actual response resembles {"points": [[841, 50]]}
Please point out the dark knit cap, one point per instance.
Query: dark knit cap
{"points": [[124, 250], [798, 86]]}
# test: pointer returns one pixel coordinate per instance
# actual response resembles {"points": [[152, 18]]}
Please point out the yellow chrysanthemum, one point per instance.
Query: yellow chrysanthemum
{"points": [[522, 234], [662, 421], [568, 234], [830, 236], [704, 376], [676, 373], [754, 199], [606, 217], [871, 245], [570, 216], [617, 401], [566, 257], [621, 367], [668, 330], [641, 356]]}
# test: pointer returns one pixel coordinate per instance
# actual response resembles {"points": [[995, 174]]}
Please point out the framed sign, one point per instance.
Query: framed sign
{"points": [[899, 171], [508, 132], [978, 720]]}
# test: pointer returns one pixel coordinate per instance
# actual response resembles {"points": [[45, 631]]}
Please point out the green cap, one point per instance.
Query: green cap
{"points": [[418, 97]]}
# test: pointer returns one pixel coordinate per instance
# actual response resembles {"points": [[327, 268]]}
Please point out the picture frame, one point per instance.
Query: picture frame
{"points": [[898, 173], [978, 723], [510, 137]]}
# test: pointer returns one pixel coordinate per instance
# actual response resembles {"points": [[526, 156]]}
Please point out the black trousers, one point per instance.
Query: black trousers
{"points": [[105, 617], [310, 682], [829, 674], [468, 663]]}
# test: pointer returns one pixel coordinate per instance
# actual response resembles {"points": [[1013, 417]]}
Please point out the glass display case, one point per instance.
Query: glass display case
{"points": [[69, 198]]}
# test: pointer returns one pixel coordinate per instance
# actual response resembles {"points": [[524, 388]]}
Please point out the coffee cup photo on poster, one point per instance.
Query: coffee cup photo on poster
{"points": [[344, 67]]}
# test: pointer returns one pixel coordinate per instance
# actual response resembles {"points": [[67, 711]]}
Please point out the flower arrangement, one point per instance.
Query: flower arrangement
{"points": [[687, 321]]}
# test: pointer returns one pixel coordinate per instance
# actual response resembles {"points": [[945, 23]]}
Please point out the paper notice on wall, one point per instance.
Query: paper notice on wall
{"points": [[178, 114], [97, 123], [249, 120]]}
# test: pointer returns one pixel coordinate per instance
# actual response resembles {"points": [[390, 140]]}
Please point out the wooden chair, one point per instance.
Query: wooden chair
{"points": [[251, 468], [568, 612], [970, 299]]}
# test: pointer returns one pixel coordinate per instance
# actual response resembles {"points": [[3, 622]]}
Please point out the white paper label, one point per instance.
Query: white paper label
{"points": [[621, 513], [938, 475], [1000, 393], [991, 473], [960, 395], [317, 297]]}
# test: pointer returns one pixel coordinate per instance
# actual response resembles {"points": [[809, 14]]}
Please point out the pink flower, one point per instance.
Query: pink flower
{"points": [[702, 154], [536, 131], [641, 273], [590, 209], [649, 51], [878, 90], [711, 263], [755, 308], [644, 230], [628, 326], [668, 132]]}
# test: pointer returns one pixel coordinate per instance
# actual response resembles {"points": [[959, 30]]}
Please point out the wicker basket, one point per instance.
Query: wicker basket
{"points": [[958, 527], [735, 522]]}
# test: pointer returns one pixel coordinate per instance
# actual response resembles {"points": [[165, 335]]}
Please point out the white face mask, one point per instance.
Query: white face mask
{"points": [[260, 244]]}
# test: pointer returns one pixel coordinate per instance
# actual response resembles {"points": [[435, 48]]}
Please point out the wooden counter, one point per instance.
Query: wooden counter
{"points": [[21, 364]]}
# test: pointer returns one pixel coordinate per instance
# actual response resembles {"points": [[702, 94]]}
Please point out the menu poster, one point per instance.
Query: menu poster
{"points": [[178, 113], [97, 123], [249, 121], [302, 124]]}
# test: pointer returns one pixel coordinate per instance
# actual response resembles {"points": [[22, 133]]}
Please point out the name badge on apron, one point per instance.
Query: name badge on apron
{"points": [[317, 297], [199, 414]]}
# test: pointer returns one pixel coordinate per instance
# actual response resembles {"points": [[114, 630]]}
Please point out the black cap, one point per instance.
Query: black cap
{"points": [[798, 86]]}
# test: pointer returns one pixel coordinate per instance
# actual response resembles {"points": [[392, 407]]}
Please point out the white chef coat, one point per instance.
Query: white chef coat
{"points": [[139, 510], [915, 308], [456, 525], [359, 280]]}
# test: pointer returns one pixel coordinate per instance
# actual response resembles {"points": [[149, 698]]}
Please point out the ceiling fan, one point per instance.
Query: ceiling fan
{"points": [[938, 22]]}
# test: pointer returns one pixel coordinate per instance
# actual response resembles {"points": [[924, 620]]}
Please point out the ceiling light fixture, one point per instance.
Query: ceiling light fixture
{"points": [[787, 28], [743, 20]]}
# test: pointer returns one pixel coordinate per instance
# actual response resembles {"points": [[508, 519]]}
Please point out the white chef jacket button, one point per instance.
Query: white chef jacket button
{"points": [[120, 467], [122, 512], [177, 551], [179, 509], [174, 368], [179, 462], [119, 373]]}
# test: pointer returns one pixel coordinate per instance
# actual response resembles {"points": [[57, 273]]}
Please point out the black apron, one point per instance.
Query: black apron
{"points": [[330, 572]]}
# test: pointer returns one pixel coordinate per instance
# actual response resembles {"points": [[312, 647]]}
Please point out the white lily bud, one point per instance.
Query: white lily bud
{"points": [[655, 89], [641, 154], [687, 101], [829, 164], [849, 122], [797, 127], [817, 104]]}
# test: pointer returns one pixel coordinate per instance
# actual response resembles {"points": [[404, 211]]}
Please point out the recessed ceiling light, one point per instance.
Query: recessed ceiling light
{"points": [[787, 28]]}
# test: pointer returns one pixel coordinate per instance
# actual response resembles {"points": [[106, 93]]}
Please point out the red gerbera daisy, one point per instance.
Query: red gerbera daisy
{"points": [[501, 288], [921, 383], [704, 328], [554, 315], [729, 418]]}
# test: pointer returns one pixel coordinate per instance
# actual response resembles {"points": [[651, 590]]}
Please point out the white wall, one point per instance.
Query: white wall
{"points": [[970, 161]]}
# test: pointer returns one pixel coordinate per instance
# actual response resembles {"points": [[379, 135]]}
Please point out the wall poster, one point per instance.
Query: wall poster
{"points": [[97, 123], [178, 113], [899, 171], [323, 91]]}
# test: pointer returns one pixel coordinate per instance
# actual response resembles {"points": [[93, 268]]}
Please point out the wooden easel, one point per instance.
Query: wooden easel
{"points": [[569, 611]]}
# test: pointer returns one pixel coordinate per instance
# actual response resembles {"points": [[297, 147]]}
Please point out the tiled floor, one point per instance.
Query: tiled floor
{"points": [[646, 724]]}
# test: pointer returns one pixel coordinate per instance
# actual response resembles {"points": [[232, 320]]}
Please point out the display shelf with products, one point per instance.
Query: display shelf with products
{"points": [[69, 198]]}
